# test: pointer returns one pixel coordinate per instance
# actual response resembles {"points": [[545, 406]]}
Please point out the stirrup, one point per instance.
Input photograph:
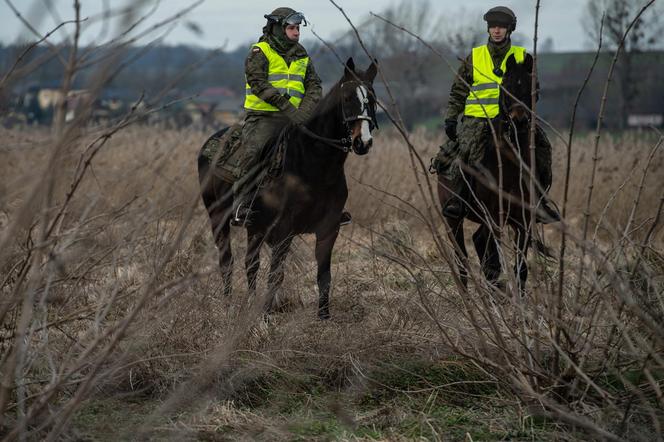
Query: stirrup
{"points": [[345, 219], [240, 217]]}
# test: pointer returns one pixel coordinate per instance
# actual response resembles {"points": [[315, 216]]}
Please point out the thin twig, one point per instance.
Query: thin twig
{"points": [[598, 130]]}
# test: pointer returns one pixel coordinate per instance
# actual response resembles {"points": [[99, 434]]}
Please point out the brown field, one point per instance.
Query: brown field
{"points": [[113, 326]]}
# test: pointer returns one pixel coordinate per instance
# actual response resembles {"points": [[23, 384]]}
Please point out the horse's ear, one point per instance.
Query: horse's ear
{"points": [[350, 68], [371, 72]]}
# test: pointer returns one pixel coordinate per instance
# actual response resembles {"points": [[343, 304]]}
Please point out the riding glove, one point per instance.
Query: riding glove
{"points": [[451, 128], [296, 115]]}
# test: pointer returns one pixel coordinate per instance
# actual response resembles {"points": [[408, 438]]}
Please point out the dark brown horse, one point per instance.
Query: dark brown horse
{"points": [[310, 194], [511, 152]]}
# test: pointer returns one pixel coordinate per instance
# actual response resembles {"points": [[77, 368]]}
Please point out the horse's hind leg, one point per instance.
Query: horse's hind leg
{"points": [[218, 200], [521, 263], [223, 241], [456, 235], [276, 276], [324, 247], [487, 251], [252, 260]]}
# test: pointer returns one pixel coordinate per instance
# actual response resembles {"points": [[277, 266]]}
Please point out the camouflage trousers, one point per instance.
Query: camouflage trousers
{"points": [[474, 137], [256, 131]]}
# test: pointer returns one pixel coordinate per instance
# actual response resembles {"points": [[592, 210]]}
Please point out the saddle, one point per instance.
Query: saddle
{"points": [[223, 150]]}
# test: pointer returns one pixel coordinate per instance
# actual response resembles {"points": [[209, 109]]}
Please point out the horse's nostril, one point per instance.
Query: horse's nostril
{"points": [[369, 143]]}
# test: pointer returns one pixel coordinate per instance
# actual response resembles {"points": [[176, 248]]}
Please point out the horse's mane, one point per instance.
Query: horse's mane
{"points": [[329, 101]]}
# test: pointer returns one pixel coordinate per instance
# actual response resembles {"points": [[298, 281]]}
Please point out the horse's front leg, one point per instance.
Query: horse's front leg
{"points": [[252, 260], [456, 236], [276, 276], [324, 245], [486, 245]]}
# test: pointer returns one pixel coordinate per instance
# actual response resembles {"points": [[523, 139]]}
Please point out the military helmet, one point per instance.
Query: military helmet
{"points": [[285, 16], [502, 16]]}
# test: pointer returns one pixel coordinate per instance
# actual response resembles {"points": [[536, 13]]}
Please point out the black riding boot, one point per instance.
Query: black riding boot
{"points": [[245, 190], [456, 207], [243, 196]]}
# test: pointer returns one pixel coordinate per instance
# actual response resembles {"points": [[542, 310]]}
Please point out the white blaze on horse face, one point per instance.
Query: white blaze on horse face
{"points": [[362, 95]]}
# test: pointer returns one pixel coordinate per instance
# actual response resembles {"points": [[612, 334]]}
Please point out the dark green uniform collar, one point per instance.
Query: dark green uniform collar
{"points": [[498, 50], [288, 52]]}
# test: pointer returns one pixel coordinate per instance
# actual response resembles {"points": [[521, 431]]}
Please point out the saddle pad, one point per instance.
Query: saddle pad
{"points": [[221, 150], [224, 150]]}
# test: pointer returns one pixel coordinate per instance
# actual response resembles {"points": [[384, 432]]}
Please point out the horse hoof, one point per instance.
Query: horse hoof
{"points": [[323, 315]]}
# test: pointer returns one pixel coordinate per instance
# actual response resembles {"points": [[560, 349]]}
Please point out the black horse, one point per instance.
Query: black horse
{"points": [[512, 135], [310, 194]]}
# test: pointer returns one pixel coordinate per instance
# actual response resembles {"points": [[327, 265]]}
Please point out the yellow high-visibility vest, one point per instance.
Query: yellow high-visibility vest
{"points": [[287, 79], [483, 99]]}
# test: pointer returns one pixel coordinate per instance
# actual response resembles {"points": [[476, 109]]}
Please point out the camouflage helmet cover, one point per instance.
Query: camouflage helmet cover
{"points": [[502, 16]]}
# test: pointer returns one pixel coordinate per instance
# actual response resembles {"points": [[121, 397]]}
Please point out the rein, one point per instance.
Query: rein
{"points": [[342, 144]]}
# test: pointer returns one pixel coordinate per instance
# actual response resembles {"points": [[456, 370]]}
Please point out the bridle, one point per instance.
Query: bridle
{"points": [[345, 144], [350, 116]]}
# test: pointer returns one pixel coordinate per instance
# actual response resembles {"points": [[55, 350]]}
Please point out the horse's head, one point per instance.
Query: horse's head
{"points": [[358, 105], [518, 82]]}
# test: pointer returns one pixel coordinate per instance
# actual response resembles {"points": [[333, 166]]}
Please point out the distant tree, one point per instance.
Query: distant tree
{"points": [[417, 17], [547, 46], [464, 30], [645, 35], [411, 68]]}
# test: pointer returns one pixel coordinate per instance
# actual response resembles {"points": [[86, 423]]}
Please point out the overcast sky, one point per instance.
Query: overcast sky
{"points": [[231, 23]]}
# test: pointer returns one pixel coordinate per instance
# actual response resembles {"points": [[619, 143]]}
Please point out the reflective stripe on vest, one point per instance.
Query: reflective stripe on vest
{"points": [[483, 99], [286, 79]]}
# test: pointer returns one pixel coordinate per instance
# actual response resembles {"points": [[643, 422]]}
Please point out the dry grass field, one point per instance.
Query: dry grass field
{"points": [[114, 326]]}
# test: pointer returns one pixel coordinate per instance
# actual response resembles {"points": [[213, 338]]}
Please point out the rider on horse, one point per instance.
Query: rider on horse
{"points": [[483, 70], [282, 87]]}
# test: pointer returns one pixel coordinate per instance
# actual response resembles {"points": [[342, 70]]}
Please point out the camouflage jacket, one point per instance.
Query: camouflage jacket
{"points": [[460, 90], [256, 68]]}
